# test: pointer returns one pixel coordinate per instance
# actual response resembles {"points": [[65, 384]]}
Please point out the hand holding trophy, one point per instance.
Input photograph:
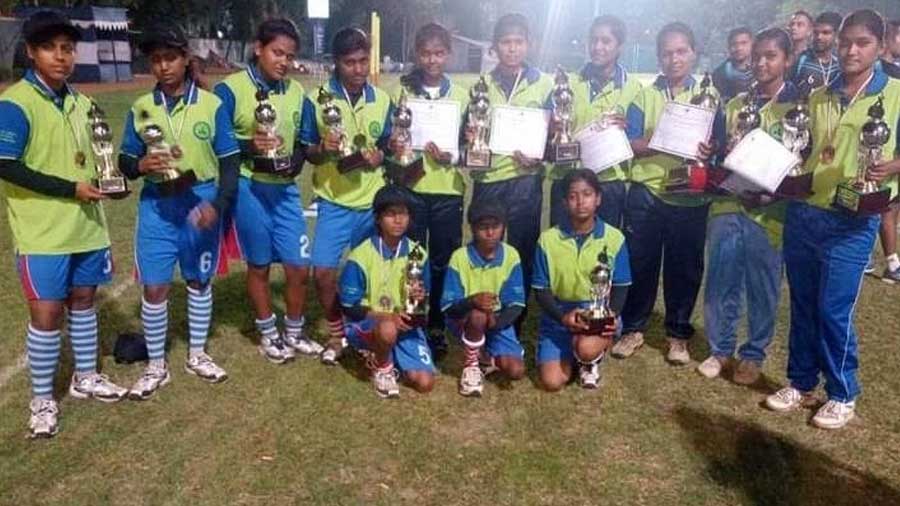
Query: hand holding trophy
{"points": [[110, 180], [274, 160], [862, 196], [405, 167], [478, 154], [173, 180], [349, 158], [598, 315], [415, 303]]}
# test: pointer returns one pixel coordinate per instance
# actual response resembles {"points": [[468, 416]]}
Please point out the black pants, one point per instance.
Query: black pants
{"points": [[612, 202], [667, 236], [437, 224]]}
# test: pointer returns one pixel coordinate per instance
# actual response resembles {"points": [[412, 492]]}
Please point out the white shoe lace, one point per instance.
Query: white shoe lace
{"points": [[788, 395]]}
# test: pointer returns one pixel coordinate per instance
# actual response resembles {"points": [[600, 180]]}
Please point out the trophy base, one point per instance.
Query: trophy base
{"points": [[478, 160], [596, 325], [113, 187], [351, 162], [854, 201], [179, 185], [690, 180], [418, 320], [277, 166], [796, 187], [715, 177], [404, 174], [563, 153]]}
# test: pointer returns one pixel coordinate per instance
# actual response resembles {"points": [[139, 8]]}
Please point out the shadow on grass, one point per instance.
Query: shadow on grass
{"points": [[769, 469]]}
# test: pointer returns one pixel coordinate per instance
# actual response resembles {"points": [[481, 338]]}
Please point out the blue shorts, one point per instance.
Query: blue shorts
{"points": [[410, 353], [498, 343], [339, 228], [554, 339], [164, 236], [270, 223], [50, 277]]}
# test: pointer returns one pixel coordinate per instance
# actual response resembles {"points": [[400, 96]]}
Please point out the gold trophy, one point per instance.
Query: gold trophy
{"points": [[795, 137], [862, 196], [692, 175], [414, 276], [173, 180], [598, 315], [563, 149], [478, 153], [405, 167], [272, 161], [350, 158], [110, 180]]}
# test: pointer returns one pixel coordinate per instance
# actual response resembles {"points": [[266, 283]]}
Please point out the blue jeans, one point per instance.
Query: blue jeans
{"points": [[825, 254], [740, 260]]}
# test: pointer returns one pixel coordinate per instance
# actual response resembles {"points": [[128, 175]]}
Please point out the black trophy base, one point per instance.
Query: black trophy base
{"points": [[405, 175], [596, 325], [858, 203], [478, 160], [687, 180], [277, 166], [796, 187], [418, 320], [569, 152], [179, 185], [351, 162], [113, 187]]}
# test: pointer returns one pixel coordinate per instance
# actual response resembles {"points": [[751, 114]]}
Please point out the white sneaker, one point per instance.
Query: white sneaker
{"points": [[471, 381], [97, 386], [302, 344], [834, 414], [787, 399], [678, 352], [202, 365], [275, 350], [154, 378], [385, 382], [589, 375], [711, 367], [43, 422], [628, 345], [333, 352]]}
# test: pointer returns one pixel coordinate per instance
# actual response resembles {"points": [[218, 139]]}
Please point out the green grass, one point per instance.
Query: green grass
{"points": [[306, 434]]}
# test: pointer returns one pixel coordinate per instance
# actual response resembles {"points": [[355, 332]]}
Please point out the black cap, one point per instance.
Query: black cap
{"points": [[163, 35], [483, 209], [45, 24], [391, 195]]}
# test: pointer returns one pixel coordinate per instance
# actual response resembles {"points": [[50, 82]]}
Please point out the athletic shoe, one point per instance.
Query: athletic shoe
{"points": [[202, 365], [97, 386], [747, 372], [589, 375], [385, 382], [275, 350], [712, 366], [333, 351], [678, 352], [437, 341], [154, 378], [891, 277], [834, 415], [302, 344], [870, 265], [471, 382], [628, 345], [788, 399], [43, 422]]}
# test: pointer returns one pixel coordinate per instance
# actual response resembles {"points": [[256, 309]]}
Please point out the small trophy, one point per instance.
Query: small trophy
{"points": [[109, 180], [796, 134], [173, 180], [562, 148], [349, 158], [273, 161], [692, 175], [414, 277], [861, 196], [747, 120], [405, 167], [478, 154], [598, 314]]}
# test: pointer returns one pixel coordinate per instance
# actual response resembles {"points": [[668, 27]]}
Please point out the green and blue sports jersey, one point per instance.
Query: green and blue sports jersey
{"points": [[642, 118], [831, 110], [469, 274], [563, 261], [808, 73], [371, 116], [238, 95], [196, 122], [373, 276], [45, 130], [440, 179]]}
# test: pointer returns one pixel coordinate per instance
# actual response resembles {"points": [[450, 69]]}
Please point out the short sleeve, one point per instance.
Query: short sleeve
{"points": [[223, 91], [309, 124], [622, 268], [540, 276], [634, 122], [352, 284], [512, 293], [453, 288], [385, 136], [132, 144], [14, 131], [224, 143]]}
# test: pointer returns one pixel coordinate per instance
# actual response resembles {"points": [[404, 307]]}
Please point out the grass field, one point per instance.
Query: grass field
{"points": [[307, 434]]}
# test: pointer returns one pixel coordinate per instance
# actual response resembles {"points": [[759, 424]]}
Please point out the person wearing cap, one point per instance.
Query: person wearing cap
{"points": [[268, 213], [373, 293], [819, 65], [483, 296], [58, 226], [178, 223]]}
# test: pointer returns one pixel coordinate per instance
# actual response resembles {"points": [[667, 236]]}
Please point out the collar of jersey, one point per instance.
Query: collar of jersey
{"points": [[46, 91], [190, 97], [478, 261], [565, 229], [338, 91], [661, 82], [810, 54], [278, 87], [386, 253], [618, 79], [790, 93], [531, 74], [444, 90], [878, 82]]}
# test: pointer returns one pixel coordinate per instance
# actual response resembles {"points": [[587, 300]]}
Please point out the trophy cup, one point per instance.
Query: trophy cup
{"points": [[692, 175], [109, 180], [349, 158], [173, 180], [746, 120], [795, 125], [598, 314], [405, 166], [415, 276], [478, 154], [272, 161], [861, 196], [562, 148]]}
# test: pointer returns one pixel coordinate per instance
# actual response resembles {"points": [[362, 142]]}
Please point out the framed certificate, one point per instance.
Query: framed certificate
{"points": [[762, 160], [602, 148], [436, 121], [681, 128], [519, 129]]}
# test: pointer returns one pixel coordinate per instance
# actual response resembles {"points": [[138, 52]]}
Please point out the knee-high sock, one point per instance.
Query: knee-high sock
{"points": [[471, 350], [200, 305], [155, 318], [83, 333], [43, 357]]}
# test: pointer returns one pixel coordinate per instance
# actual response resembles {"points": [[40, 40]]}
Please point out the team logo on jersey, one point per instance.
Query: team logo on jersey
{"points": [[375, 129], [776, 130], [202, 130]]}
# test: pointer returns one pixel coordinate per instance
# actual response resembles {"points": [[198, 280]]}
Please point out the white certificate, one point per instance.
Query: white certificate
{"points": [[761, 159], [435, 121], [519, 129], [681, 128], [602, 148]]}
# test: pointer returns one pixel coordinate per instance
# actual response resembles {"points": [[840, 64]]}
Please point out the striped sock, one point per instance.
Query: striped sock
{"points": [[43, 357], [293, 327], [267, 328], [335, 329], [156, 323], [83, 334], [199, 315], [471, 350]]}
